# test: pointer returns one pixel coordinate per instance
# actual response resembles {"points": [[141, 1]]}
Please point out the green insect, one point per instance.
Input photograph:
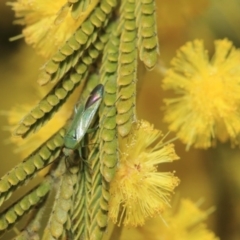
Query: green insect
{"points": [[84, 115]]}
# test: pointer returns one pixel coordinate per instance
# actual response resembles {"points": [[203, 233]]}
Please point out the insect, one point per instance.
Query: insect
{"points": [[84, 114]]}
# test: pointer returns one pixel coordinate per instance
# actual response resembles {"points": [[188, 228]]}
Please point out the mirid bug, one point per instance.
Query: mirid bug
{"points": [[84, 114]]}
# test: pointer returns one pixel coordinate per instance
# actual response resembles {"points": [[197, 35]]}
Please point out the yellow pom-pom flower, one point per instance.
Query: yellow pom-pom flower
{"points": [[49, 24], [184, 223], [208, 103], [138, 190], [187, 223]]}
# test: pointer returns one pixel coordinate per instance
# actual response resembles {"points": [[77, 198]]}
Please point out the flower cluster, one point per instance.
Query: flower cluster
{"points": [[49, 24], [208, 103], [138, 190], [186, 221]]}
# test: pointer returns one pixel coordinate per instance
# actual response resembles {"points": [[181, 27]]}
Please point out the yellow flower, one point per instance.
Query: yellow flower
{"points": [[184, 223], [208, 103], [48, 23], [138, 191]]}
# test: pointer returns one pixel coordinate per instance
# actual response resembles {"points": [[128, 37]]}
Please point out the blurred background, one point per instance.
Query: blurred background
{"points": [[212, 175]]}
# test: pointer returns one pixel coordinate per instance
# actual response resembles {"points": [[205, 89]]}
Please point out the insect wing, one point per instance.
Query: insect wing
{"points": [[95, 95], [70, 139], [83, 118], [86, 120], [88, 114]]}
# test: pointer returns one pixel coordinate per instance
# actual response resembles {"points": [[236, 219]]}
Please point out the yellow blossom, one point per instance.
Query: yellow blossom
{"points": [[187, 223], [48, 23], [208, 103], [184, 223], [138, 191]]}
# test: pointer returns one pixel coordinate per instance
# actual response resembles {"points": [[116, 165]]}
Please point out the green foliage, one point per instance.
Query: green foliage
{"points": [[80, 208]]}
